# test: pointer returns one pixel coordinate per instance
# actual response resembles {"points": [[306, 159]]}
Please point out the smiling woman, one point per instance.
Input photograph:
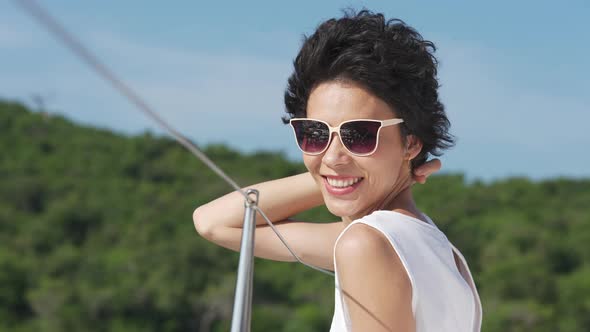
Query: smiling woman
{"points": [[372, 83]]}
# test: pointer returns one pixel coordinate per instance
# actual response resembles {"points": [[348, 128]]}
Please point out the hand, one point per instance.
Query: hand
{"points": [[423, 172]]}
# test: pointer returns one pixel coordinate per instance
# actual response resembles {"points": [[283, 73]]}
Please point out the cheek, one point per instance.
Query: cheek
{"points": [[311, 163], [385, 168], [391, 154]]}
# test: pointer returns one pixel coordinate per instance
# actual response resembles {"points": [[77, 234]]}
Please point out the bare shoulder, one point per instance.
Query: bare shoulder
{"points": [[361, 240], [374, 282]]}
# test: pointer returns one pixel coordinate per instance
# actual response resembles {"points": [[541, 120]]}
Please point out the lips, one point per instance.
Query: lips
{"points": [[340, 185]]}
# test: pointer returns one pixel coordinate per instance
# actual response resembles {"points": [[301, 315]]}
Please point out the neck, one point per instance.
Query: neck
{"points": [[399, 199]]}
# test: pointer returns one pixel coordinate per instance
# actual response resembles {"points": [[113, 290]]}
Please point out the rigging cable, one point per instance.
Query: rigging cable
{"points": [[32, 8]]}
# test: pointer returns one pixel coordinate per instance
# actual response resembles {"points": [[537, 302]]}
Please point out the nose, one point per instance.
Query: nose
{"points": [[335, 154]]}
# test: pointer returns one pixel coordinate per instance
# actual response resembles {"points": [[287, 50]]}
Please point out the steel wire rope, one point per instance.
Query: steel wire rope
{"points": [[53, 26]]}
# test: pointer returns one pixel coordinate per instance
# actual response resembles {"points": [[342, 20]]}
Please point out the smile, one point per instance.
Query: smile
{"points": [[341, 185]]}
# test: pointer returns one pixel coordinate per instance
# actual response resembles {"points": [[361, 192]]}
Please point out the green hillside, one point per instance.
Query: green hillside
{"points": [[96, 235]]}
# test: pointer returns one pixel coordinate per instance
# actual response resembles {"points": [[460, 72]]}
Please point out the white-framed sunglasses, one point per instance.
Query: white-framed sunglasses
{"points": [[359, 136]]}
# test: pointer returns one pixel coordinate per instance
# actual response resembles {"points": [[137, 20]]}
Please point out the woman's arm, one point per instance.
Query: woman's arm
{"points": [[279, 199], [374, 283], [220, 221]]}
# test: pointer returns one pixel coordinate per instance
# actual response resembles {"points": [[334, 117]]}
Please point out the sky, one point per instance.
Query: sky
{"points": [[514, 75]]}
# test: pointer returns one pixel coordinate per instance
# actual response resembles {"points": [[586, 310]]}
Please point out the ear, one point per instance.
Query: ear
{"points": [[413, 146]]}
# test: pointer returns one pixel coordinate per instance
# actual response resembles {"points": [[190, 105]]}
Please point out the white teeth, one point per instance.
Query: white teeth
{"points": [[342, 183]]}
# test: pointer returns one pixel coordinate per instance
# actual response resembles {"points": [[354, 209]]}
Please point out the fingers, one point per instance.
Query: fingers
{"points": [[424, 171], [430, 167]]}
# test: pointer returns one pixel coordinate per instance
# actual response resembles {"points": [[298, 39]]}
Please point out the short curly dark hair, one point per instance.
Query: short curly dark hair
{"points": [[387, 57]]}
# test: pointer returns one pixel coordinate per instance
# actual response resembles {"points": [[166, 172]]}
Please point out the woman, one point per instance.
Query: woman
{"points": [[363, 104]]}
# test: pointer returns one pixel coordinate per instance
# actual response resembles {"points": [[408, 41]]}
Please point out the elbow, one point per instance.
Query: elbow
{"points": [[201, 226]]}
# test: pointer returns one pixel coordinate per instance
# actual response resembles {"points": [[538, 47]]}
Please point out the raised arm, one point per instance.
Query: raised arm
{"points": [[220, 221]]}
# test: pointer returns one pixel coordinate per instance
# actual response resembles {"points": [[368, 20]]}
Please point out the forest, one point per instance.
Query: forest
{"points": [[96, 234]]}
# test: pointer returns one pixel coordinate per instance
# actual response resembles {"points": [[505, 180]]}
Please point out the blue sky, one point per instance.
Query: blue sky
{"points": [[514, 74]]}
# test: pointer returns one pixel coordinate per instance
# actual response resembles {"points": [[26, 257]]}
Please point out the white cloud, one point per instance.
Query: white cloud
{"points": [[199, 92], [502, 125], [213, 97]]}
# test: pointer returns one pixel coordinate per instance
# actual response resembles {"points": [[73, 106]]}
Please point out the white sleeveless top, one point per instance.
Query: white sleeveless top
{"points": [[444, 299]]}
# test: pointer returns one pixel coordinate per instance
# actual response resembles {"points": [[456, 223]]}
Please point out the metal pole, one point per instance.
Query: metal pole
{"points": [[242, 313]]}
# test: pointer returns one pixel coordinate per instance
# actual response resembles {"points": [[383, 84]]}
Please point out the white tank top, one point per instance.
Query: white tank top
{"points": [[444, 299]]}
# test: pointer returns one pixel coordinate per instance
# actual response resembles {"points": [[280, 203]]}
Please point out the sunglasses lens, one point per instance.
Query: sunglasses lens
{"points": [[360, 137], [312, 136]]}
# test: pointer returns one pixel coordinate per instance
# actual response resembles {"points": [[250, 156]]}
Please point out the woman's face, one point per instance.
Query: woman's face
{"points": [[337, 171]]}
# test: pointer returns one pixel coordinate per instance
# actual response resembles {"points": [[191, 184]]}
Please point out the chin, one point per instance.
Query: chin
{"points": [[341, 209]]}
